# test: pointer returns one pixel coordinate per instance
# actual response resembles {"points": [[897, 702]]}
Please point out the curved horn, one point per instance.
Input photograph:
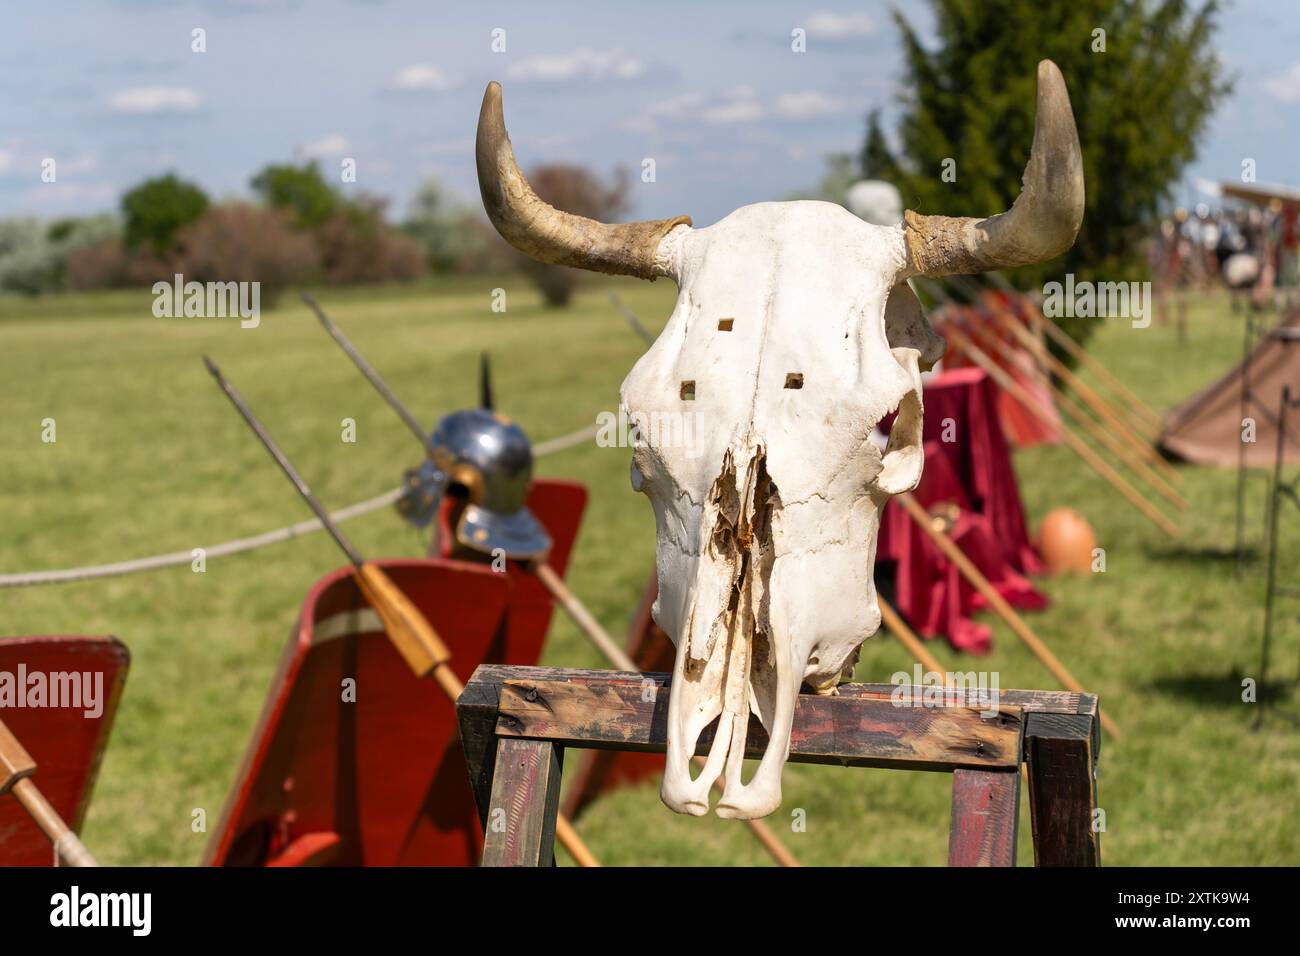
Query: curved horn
{"points": [[1045, 217], [542, 231]]}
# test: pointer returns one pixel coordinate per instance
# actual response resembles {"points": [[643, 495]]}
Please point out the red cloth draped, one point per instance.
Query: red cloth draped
{"points": [[968, 463]]}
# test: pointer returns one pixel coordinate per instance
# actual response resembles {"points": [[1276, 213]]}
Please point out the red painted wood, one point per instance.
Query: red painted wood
{"points": [[385, 774], [66, 745], [985, 818]]}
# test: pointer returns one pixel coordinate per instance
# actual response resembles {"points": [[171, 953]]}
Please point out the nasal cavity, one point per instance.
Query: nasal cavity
{"points": [[688, 391], [794, 379], [724, 325]]}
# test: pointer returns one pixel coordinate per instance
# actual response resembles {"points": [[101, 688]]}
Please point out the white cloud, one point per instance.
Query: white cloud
{"points": [[155, 99], [585, 64], [1285, 86], [326, 147], [738, 105], [424, 78], [8, 160], [840, 26], [806, 104]]}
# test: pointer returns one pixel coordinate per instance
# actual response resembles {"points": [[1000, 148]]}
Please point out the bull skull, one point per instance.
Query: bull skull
{"points": [[794, 333]]}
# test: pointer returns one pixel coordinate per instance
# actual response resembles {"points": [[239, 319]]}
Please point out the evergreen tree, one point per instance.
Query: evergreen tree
{"points": [[1143, 79]]}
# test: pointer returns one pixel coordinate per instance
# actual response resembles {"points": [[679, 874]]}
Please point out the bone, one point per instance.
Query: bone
{"points": [[794, 334]]}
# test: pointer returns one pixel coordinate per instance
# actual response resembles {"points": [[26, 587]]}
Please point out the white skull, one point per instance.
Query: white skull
{"points": [[794, 333], [767, 507]]}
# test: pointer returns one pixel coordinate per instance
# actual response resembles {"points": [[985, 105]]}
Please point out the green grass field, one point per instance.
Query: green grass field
{"points": [[151, 458]]}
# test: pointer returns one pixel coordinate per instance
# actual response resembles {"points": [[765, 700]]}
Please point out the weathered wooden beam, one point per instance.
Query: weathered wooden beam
{"points": [[515, 721], [523, 805], [985, 818], [632, 714], [1061, 751]]}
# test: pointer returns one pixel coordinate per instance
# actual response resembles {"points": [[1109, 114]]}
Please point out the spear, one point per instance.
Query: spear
{"points": [[409, 630], [544, 573]]}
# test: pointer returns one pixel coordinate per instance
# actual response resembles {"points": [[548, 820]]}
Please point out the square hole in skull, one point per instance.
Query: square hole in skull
{"points": [[794, 379], [724, 325], [688, 391]]}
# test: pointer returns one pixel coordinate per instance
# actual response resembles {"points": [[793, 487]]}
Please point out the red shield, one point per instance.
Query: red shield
{"points": [[381, 780], [66, 742]]}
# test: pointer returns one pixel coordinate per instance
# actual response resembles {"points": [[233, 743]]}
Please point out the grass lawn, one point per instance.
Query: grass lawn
{"points": [[151, 458]]}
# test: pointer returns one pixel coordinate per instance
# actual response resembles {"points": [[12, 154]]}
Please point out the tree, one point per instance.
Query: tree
{"points": [[579, 191], [301, 190], [157, 209], [1143, 78], [448, 231], [239, 242], [356, 245], [875, 161]]}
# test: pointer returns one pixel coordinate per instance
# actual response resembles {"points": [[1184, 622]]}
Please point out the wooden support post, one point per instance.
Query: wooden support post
{"points": [[515, 721], [999, 604], [598, 636], [525, 802], [1114, 443], [985, 811], [1077, 445], [1061, 752]]}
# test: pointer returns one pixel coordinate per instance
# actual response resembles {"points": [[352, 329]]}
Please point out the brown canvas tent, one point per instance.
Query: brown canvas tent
{"points": [[1207, 428]]}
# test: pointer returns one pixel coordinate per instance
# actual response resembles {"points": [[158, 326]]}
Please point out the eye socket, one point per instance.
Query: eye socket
{"points": [[794, 380], [688, 391]]}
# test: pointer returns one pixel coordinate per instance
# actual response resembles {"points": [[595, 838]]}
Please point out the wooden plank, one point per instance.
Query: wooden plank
{"points": [[1038, 701], [849, 731], [525, 798], [1051, 701], [476, 714], [985, 818], [1061, 752]]}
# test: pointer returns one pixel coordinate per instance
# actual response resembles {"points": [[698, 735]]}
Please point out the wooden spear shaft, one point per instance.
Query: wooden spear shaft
{"points": [[999, 604], [1089, 396], [1076, 444], [589, 626], [896, 626], [16, 769], [406, 626], [1116, 446], [550, 580], [900, 630], [1080, 354], [1136, 409]]}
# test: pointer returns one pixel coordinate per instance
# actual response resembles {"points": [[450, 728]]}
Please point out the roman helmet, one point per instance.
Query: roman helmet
{"points": [[482, 456]]}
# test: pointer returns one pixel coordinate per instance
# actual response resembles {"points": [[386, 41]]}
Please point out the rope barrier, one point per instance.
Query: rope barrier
{"points": [[240, 545]]}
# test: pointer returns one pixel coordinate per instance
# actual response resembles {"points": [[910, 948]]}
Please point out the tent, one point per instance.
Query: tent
{"points": [[1207, 429]]}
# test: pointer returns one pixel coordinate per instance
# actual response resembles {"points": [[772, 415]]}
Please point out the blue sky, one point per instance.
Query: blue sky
{"points": [[710, 90]]}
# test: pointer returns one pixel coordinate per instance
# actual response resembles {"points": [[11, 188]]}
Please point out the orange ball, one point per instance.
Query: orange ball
{"points": [[1066, 542]]}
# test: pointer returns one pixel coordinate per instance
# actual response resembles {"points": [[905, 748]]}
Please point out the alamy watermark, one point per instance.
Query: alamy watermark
{"points": [[209, 300], [923, 688], [1103, 300], [649, 429], [76, 690]]}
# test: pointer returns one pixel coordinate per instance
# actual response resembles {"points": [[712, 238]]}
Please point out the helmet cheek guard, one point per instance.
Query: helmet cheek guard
{"points": [[422, 492]]}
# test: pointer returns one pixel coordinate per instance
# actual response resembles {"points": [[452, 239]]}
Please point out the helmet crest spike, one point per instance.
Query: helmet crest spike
{"points": [[484, 382]]}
